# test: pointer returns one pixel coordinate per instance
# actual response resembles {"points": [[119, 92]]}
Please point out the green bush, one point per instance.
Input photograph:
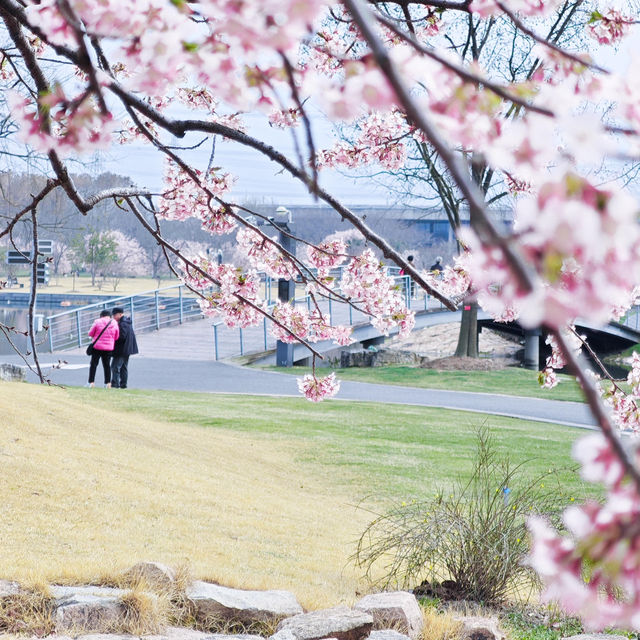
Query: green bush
{"points": [[465, 543]]}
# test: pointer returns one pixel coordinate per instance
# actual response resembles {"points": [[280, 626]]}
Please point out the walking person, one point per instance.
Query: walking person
{"points": [[104, 332], [126, 345], [437, 267], [410, 283]]}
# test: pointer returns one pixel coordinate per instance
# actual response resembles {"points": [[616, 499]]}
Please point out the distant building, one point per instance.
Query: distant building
{"points": [[426, 226]]}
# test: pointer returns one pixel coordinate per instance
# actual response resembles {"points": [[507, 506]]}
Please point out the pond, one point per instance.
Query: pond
{"points": [[18, 318]]}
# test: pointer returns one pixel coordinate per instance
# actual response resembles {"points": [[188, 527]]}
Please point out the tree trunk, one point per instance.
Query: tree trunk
{"points": [[468, 336]]}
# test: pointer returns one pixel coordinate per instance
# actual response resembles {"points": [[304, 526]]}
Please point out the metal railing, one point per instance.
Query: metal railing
{"points": [[231, 342], [149, 311], [632, 318]]}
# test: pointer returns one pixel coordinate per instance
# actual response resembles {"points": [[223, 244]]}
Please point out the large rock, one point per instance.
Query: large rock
{"points": [[480, 628], [216, 604], [86, 609], [154, 574], [341, 623], [12, 373], [397, 610]]}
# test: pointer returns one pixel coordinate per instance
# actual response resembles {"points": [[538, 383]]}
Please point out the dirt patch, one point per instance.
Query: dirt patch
{"points": [[436, 345]]}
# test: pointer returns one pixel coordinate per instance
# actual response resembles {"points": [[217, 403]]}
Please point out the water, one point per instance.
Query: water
{"points": [[18, 318]]}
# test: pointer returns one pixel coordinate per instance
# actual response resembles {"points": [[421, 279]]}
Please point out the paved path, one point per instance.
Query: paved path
{"points": [[205, 375]]}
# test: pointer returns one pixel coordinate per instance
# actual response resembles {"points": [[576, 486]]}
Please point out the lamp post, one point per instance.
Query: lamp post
{"points": [[286, 288]]}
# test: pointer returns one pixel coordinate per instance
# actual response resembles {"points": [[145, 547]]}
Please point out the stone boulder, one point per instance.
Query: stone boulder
{"points": [[341, 623], [153, 574], [480, 628], [12, 373], [214, 603], [397, 610], [88, 609]]}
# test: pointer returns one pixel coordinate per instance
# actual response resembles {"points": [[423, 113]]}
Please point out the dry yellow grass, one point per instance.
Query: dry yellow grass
{"points": [[439, 625], [88, 492]]}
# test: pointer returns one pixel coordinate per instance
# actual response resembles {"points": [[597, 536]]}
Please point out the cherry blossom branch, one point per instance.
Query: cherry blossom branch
{"points": [[456, 165], [463, 73], [79, 33], [84, 205], [305, 119], [179, 128], [597, 407], [438, 4], [547, 43], [175, 251]]}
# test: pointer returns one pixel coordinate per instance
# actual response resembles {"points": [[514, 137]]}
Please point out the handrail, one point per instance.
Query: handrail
{"points": [[149, 310], [112, 300]]}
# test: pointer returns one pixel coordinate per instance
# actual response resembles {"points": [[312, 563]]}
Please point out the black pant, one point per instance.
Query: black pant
{"points": [[105, 356], [120, 371]]}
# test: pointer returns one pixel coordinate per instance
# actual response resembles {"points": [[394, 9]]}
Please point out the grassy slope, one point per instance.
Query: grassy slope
{"points": [[388, 450], [253, 492], [511, 381]]}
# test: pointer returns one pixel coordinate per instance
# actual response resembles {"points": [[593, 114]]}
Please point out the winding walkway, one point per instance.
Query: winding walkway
{"points": [[205, 375]]}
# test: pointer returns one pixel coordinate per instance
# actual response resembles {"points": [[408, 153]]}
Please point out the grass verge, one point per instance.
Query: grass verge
{"points": [[251, 492], [511, 381]]}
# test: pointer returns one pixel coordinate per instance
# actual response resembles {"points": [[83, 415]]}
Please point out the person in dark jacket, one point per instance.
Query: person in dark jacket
{"points": [[125, 346]]}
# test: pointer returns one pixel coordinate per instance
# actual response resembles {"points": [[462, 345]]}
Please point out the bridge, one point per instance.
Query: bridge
{"points": [[176, 306]]}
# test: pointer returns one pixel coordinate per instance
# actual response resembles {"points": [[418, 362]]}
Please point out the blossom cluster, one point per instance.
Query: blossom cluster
{"points": [[610, 27], [186, 197], [316, 389], [365, 282], [381, 140], [583, 244], [264, 255], [56, 122], [297, 323], [228, 292], [602, 545]]}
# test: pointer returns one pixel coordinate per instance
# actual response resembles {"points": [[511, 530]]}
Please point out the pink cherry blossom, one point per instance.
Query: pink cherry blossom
{"points": [[317, 389], [609, 27]]}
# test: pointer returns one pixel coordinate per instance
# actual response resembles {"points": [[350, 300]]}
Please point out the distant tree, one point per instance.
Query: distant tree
{"points": [[60, 262], [131, 258], [95, 251]]}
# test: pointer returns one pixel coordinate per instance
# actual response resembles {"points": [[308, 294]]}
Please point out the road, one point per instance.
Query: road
{"points": [[203, 375]]}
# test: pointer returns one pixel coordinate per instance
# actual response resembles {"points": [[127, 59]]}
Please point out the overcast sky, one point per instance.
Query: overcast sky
{"points": [[259, 180]]}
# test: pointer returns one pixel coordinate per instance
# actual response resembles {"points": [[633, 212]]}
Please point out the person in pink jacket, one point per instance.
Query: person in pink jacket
{"points": [[104, 332]]}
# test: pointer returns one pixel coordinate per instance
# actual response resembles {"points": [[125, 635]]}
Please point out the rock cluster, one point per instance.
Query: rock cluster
{"points": [[377, 358], [108, 613]]}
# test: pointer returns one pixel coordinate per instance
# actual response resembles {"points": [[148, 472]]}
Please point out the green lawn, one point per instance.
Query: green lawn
{"points": [[380, 450], [511, 381]]}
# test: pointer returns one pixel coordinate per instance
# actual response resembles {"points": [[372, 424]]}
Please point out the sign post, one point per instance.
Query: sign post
{"points": [[286, 288]]}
